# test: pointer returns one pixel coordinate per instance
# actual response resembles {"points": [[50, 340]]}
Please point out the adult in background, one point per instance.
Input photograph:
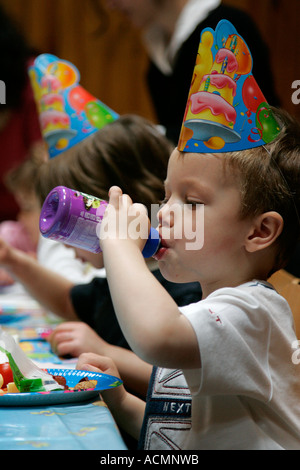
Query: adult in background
{"points": [[20, 133], [171, 32]]}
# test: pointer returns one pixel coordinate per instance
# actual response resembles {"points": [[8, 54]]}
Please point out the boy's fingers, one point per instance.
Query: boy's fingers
{"points": [[117, 198], [89, 368], [125, 202], [94, 362], [114, 196]]}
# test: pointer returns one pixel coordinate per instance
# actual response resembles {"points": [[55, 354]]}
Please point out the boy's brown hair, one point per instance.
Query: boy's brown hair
{"points": [[270, 181]]}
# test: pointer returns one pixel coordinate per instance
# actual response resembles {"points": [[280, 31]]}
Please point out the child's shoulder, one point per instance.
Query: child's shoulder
{"points": [[251, 307], [253, 296]]}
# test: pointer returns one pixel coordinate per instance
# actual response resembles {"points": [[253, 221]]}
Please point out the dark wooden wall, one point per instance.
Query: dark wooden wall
{"points": [[111, 58]]}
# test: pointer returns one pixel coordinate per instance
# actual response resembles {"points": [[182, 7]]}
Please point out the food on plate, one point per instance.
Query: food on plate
{"points": [[10, 386], [7, 375], [85, 384], [27, 376], [18, 374], [61, 381]]}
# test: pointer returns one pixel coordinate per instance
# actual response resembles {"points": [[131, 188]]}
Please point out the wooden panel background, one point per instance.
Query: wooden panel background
{"points": [[113, 63]]}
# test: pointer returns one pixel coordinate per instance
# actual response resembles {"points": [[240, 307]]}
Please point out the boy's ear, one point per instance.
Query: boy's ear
{"points": [[265, 230]]}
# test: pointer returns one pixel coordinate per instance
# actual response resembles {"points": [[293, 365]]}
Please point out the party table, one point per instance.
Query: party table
{"points": [[83, 425]]}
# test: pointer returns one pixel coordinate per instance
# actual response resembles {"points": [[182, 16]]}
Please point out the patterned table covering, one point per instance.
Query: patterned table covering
{"points": [[85, 425]]}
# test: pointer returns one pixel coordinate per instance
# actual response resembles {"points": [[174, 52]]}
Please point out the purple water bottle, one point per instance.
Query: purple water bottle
{"points": [[71, 217]]}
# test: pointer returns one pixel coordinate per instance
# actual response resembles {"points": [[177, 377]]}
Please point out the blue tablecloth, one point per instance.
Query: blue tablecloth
{"points": [[85, 425]]}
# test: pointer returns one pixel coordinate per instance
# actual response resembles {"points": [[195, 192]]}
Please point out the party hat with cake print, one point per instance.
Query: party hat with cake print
{"points": [[226, 110], [67, 112]]}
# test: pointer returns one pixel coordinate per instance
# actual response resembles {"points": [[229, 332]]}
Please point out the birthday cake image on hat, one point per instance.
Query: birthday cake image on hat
{"points": [[226, 110], [67, 112]]}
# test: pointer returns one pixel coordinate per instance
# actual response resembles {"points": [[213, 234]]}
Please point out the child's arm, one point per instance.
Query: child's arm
{"points": [[47, 287], [149, 317], [127, 409]]}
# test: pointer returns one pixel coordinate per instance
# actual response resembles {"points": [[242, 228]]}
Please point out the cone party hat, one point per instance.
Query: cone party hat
{"points": [[67, 112], [226, 110]]}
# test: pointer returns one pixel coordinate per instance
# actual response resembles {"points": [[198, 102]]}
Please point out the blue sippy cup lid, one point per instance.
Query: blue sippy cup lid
{"points": [[152, 243]]}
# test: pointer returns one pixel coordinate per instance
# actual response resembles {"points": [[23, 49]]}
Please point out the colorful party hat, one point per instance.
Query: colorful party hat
{"points": [[226, 110], [67, 112]]}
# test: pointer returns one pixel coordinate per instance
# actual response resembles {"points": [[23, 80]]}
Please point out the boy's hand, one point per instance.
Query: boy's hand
{"points": [[124, 221], [96, 363], [128, 410]]}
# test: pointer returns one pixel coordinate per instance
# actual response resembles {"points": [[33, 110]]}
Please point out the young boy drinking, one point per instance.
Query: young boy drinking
{"points": [[234, 347]]}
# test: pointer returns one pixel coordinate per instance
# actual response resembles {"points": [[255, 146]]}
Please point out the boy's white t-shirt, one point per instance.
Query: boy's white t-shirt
{"points": [[246, 393]]}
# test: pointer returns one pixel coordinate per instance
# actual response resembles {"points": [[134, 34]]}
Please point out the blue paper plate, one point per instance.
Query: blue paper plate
{"points": [[73, 376]]}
